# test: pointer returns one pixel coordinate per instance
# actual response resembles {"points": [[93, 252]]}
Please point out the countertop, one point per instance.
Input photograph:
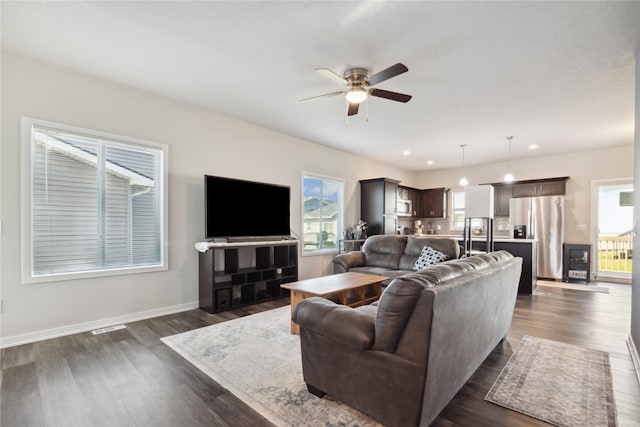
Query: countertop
{"points": [[480, 238]]}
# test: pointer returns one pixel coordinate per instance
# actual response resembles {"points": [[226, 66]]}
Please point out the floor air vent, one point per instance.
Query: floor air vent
{"points": [[108, 329]]}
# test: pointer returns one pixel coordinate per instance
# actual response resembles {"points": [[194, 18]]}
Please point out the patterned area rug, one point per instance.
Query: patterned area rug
{"points": [[257, 359], [562, 384]]}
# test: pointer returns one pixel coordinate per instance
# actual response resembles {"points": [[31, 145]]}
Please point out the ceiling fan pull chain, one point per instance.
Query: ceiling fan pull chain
{"points": [[366, 110]]}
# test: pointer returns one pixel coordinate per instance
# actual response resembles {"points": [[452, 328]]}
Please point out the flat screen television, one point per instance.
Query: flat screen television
{"points": [[238, 209]]}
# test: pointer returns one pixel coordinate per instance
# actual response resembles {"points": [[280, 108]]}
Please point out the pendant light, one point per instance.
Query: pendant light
{"points": [[508, 178], [463, 181]]}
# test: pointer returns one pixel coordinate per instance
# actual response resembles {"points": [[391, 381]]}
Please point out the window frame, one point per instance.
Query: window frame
{"points": [[340, 219], [453, 226], [28, 276], [475, 222]]}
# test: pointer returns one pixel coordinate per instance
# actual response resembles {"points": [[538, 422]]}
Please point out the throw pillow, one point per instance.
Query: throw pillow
{"points": [[428, 257]]}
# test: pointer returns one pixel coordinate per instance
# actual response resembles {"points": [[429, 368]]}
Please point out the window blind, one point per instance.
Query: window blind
{"points": [[96, 204]]}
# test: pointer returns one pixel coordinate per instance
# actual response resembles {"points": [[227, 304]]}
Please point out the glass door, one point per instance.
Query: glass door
{"points": [[614, 232]]}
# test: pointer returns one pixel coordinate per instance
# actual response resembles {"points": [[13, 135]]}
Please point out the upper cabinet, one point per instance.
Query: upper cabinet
{"points": [[501, 196], [543, 187], [533, 188], [412, 194], [434, 203]]}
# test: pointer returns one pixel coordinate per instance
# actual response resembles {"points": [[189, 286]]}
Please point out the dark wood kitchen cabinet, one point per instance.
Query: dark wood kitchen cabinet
{"points": [[378, 205], [501, 197], [434, 203], [542, 187], [413, 194]]}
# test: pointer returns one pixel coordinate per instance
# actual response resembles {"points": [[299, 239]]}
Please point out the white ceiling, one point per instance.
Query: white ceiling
{"points": [[556, 74]]}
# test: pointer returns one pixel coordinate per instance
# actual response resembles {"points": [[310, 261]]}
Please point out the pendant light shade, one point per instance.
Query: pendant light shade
{"points": [[508, 178], [463, 181]]}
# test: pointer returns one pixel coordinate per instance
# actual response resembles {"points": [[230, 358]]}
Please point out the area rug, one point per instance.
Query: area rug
{"points": [[258, 360], [573, 286], [562, 384]]}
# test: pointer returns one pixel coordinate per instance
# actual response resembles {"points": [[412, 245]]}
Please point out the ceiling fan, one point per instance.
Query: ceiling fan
{"points": [[359, 85]]}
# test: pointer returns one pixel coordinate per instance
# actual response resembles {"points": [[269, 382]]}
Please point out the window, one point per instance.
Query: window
{"points": [[94, 204], [457, 209], [322, 213]]}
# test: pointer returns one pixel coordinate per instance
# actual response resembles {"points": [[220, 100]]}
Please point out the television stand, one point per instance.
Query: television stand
{"points": [[244, 273]]}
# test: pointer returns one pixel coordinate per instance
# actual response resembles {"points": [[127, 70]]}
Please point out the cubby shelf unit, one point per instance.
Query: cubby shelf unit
{"points": [[238, 274]]}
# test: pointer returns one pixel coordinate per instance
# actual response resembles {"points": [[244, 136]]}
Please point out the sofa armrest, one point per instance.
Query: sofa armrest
{"points": [[352, 327], [343, 262]]}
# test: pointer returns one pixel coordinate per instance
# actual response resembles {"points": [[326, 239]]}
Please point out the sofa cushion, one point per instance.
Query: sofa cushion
{"points": [[447, 246], [394, 309], [429, 257], [384, 250]]}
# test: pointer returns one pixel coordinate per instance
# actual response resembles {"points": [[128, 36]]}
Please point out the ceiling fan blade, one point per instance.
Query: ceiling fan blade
{"points": [[394, 96], [353, 109], [332, 76], [388, 73], [326, 95]]}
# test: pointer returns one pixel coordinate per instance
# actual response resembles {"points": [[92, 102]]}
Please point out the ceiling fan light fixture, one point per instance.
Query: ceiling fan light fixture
{"points": [[356, 95]]}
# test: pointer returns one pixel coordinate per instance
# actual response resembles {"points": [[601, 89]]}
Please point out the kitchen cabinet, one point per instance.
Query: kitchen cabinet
{"points": [[536, 188], [403, 193], [501, 196], [413, 194], [526, 249], [434, 203], [378, 205]]}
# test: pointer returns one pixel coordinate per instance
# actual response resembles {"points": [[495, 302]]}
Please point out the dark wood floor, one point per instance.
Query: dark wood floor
{"points": [[130, 378]]}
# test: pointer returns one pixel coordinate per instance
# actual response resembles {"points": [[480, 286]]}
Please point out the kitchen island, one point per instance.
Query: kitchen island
{"points": [[527, 249]]}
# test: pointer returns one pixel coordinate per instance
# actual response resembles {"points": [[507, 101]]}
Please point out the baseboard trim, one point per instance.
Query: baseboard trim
{"points": [[46, 334], [635, 358]]}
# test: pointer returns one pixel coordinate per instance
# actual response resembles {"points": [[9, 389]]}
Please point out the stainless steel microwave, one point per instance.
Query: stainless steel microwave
{"points": [[404, 207]]}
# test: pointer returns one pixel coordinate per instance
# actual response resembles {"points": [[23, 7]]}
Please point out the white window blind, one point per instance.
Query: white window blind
{"points": [[96, 203]]}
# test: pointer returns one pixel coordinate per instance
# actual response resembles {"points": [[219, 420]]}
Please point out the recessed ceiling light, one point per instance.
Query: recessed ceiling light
{"points": [[533, 147], [406, 152], [429, 162]]}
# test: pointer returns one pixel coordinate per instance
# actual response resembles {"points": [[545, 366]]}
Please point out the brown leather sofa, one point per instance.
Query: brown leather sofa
{"points": [[401, 361], [392, 255]]}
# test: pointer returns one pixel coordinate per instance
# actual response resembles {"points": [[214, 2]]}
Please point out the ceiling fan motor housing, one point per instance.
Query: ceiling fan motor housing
{"points": [[357, 77]]}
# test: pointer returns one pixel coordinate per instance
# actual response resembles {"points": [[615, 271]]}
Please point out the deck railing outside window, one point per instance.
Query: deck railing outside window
{"points": [[615, 253]]}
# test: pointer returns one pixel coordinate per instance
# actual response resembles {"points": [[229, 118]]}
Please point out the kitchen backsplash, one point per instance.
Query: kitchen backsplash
{"points": [[443, 226]]}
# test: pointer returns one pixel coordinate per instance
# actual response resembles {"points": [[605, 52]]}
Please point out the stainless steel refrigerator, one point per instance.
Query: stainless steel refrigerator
{"points": [[543, 218]]}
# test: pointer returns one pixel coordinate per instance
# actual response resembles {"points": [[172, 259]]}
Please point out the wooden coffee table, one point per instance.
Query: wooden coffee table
{"points": [[337, 285]]}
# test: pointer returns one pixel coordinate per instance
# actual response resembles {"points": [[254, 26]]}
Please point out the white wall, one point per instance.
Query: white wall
{"points": [[634, 334], [200, 142], [582, 168]]}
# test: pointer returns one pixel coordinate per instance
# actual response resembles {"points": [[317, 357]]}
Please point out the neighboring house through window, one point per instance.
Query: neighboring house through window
{"points": [[95, 203], [322, 213]]}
